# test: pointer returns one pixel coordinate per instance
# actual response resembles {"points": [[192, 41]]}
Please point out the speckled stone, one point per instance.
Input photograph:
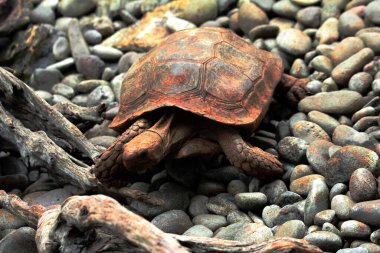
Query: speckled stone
{"points": [[253, 233], [211, 221], [173, 221], [300, 171], [273, 190], [346, 48], [346, 160], [303, 184], [269, 214], [324, 216], [292, 228], [363, 185], [294, 42], [335, 102], [347, 68], [220, 206], [325, 240], [367, 212], [292, 148], [309, 131], [250, 16], [328, 31], [355, 229], [198, 205], [250, 200], [360, 82], [317, 200], [101, 94], [198, 230], [342, 204]]}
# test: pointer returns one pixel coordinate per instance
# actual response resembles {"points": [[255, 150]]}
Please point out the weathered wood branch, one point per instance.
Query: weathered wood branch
{"points": [[36, 114], [99, 222], [76, 113], [38, 150]]}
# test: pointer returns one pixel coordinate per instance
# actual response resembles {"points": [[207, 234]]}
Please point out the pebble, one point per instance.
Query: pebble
{"points": [[238, 216], [325, 121], [72, 8], [286, 9], [17, 181], [91, 66], [287, 213], [42, 15], [353, 250], [253, 233], [331, 228], [338, 189], [63, 90], [20, 241], [292, 149], [294, 42], [175, 24], [327, 215], [346, 69], [103, 141], [47, 96], [78, 45], [326, 241], [346, 160], [9, 221], [360, 82], [210, 188], [173, 200], [299, 68], [303, 184], [363, 185], [317, 200], [92, 37], [62, 65], [306, 2], [322, 64], [269, 214], [220, 206], [109, 54], [300, 171], [53, 197], [292, 228], [329, 85], [375, 237], [371, 247], [87, 86], [80, 100], [101, 94], [263, 31], [44, 79], [199, 11], [342, 204], [199, 230], [288, 198], [250, 16], [349, 24], [367, 212], [211, 221], [328, 32], [372, 12], [309, 131], [355, 229], [309, 16], [236, 186], [273, 190], [173, 221], [250, 200], [370, 40], [334, 102], [345, 49], [345, 135]]}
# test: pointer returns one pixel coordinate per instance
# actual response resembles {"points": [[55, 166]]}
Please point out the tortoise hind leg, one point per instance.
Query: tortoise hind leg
{"points": [[111, 159], [252, 160]]}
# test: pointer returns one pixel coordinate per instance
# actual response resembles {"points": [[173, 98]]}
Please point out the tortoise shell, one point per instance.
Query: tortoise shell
{"points": [[211, 72]]}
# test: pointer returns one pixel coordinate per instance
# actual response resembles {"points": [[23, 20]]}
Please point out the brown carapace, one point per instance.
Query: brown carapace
{"points": [[206, 82]]}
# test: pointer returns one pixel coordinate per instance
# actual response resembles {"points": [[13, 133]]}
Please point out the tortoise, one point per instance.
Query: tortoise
{"points": [[198, 90]]}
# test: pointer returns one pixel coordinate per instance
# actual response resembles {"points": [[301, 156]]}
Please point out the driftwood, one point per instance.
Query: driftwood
{"points": [[14, 14], [89, 222]]}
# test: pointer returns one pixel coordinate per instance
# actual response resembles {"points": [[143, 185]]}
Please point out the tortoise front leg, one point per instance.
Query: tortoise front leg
{"points": [[252, 160], [111, 159]]}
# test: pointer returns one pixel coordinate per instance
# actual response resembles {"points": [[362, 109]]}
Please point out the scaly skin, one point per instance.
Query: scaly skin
{"points": [[252, 160], [110, 162]]}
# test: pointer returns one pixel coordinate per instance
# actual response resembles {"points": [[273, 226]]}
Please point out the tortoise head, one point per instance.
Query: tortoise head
{"points": [[143, 152]]}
